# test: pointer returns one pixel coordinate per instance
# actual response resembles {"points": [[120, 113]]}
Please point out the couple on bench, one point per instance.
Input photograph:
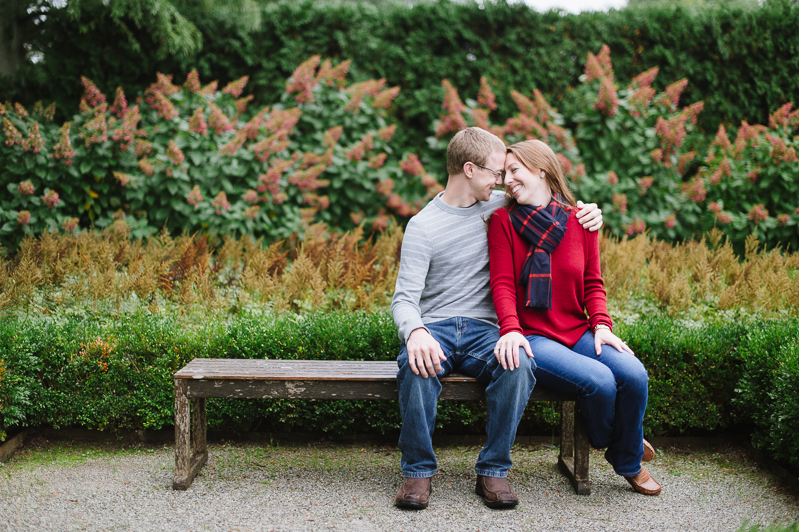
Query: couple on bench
{"points": [[511, 321]]}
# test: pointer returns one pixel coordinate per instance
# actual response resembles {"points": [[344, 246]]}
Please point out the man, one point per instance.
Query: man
{"points": [[443, 309]]}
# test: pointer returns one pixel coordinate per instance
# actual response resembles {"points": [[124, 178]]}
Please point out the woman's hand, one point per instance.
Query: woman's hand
{"points": [[507, 349], [604, 336]]}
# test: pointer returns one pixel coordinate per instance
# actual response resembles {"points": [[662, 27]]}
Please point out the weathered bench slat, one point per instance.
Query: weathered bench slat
{"points": [[331, 380]]}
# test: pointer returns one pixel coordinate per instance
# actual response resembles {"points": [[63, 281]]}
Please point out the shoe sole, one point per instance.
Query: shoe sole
{"points": [[496, 505]]}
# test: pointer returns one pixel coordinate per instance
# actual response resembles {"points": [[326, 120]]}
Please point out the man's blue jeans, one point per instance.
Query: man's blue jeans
{"points": [[612, 390], [469, 347]]}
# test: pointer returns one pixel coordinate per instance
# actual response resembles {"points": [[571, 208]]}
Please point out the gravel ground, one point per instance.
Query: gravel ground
{"points": [[323, 486]]}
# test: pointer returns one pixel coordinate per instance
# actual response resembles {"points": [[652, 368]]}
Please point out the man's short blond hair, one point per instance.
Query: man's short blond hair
{"points": [[471, 145]]}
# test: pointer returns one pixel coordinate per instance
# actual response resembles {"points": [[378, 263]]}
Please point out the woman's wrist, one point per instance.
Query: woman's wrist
{"points": [[600, 326]]}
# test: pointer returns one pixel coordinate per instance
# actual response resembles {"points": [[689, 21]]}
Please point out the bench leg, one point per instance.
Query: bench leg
{"points": [[574, 448], [190, 437]]}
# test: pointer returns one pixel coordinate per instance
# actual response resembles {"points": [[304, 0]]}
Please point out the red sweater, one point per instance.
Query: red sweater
{"points": [[577, 284]]}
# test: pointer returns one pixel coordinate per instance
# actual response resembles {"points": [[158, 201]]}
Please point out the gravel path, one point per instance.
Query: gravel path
{"points": [[321, 486]]}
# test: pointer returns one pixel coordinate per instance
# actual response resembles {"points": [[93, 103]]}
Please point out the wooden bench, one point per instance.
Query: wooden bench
{"points": [[310, 379]]}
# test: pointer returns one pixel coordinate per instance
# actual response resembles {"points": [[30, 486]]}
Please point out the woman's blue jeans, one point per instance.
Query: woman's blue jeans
{"points": [[469, 347], [612, 389]]}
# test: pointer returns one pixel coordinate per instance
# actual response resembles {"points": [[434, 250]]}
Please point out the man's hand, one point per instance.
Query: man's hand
{"points": [[507, 349], [589, 216], [424, 353]]}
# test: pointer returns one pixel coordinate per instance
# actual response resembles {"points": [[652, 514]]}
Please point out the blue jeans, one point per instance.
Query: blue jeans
{"points": [[612, 389], [469, 347]]}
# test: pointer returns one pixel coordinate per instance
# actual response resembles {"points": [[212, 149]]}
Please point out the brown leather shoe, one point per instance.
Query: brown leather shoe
{"points": [[496, 492], [414, 494], [644, 483], [649, 452]]}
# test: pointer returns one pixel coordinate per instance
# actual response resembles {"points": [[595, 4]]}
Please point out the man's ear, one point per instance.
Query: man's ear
{"points": [[468, 169]]}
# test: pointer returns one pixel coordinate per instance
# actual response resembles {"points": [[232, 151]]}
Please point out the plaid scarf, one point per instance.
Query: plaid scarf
{"points": [[543, 227]]}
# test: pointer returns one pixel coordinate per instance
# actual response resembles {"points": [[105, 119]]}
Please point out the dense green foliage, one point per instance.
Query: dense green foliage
{"points": [[116, 374], [740, 62]]}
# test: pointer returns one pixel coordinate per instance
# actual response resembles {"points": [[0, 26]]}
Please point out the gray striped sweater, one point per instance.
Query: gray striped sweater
{"points": [[444, 266]]}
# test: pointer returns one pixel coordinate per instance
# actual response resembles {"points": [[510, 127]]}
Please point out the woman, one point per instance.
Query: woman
{"points": [[545, 276]]}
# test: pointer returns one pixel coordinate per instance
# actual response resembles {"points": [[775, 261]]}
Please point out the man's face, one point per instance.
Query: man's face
{"points": [[484, 181]]}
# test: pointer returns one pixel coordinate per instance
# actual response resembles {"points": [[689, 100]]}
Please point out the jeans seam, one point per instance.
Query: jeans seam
{"points": [[489, 473], [422, 474]]}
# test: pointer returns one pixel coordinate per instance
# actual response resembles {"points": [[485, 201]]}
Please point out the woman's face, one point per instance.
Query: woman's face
{"points": [[525, 185]]}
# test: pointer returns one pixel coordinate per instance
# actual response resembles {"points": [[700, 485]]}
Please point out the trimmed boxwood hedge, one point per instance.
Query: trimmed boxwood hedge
{"points": [[116, 374]]}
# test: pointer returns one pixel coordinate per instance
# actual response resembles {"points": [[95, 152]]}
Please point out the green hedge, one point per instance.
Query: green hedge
{"points": [[116, 374], [740, 62]]}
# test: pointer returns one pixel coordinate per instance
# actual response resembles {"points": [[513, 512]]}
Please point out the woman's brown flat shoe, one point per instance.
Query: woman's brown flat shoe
{"points": [[644, 483]]}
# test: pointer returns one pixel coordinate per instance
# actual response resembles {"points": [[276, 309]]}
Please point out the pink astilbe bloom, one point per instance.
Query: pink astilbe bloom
{"points": [[209, 89], [607, 101], [69, 225], [599, 66], [123, 179], [270, 181], [714, 207], [613, 178], [251, 212], [620, 203], [127, 131], [195, 197], [670, 221], [120, 105], [242, 103], [307, 179], [3, 109], [142, 147], [358, 151], [34, 142], [758, 213], [673, 92], [235, 88], [722, 140], [387, 132], [604, 61], [250, 196], [25, 188], [303, 80], [63, 148], [778, 147], [485, 97], [796, 211], [282, 123], [695, 190], [378, 160], [163, 86], [672, 134], [383, 100], [640, 100], [385, 186], [480, 117], [24, 217], [790, 155], [221, 203], [412, 165], [332, 135], [747, 133], [164, 107], [561, 134], [192, 83], [753, 175], [578, 172], [684, 160], [269, 146], [452, 120], [780, 117], [644, 184], [646, 78], [333, 76], [147, 167], [657, 155], [526, 125], [91, 94], [433, 187], [636, 227], [359, 91], [49, 112], [20, 110], [693, 111], [538, 108], [174, 154], [51, 199], [197, 122], [219, 121], [234, 145], [782, 219], [565, 163], [13, 136], [723, 218], [95, 131]]}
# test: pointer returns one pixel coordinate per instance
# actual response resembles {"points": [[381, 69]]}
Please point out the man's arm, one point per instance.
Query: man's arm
{"points": [[424, 352], [589, 216]]}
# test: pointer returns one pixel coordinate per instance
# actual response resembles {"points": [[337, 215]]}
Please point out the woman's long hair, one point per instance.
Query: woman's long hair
{"points": [[536, 154]]}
